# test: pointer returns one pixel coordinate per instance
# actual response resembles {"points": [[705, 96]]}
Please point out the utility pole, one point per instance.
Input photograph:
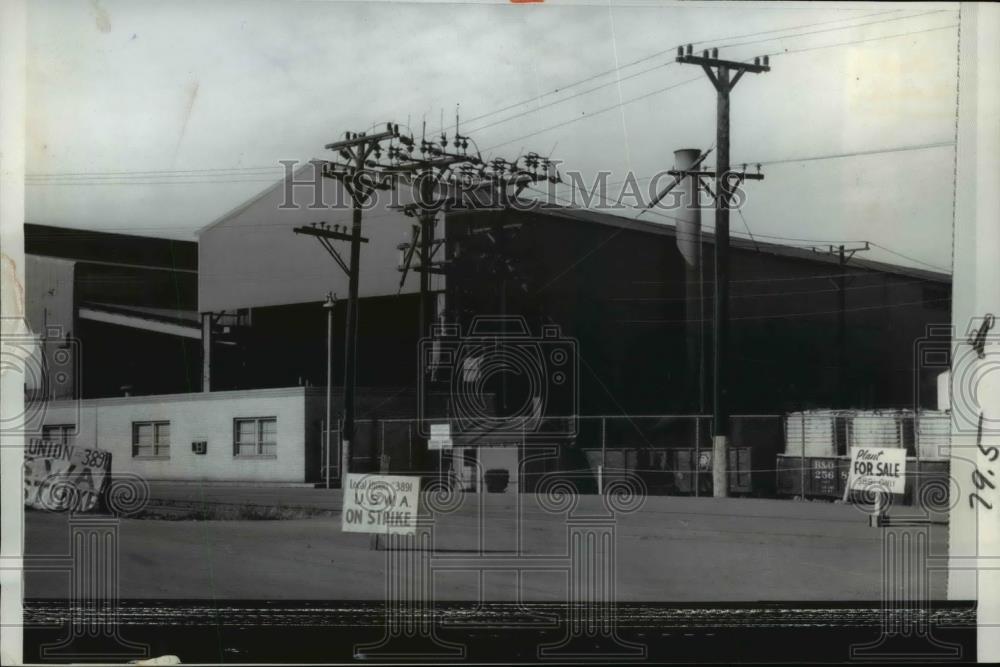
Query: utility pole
{"points": [[433, 172], [718, 72], [844, 255], [443, 172], [326, 235], [331, 303], [361, 175]]}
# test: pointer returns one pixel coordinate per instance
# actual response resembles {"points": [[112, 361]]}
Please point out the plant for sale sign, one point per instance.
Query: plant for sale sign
{"points": [[877, 469]]}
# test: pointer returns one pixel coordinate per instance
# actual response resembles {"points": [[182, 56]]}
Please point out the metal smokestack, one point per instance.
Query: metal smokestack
{"points": [[687, 214]]}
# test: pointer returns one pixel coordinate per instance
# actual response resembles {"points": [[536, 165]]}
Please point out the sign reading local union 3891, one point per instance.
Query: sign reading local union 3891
{"points": [[380, 504], [60, 477]]}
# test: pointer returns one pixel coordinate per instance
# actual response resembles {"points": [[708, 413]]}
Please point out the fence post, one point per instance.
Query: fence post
{"points": [[696, 463], [917, 479], [802, 460], [604, 455], [325, 440], [340, 454]]}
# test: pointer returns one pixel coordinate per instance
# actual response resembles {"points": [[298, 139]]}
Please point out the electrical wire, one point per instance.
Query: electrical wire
{"points": [[751, 236], [663, 65], [664, 52], [835, 156], [783, 293], [698, 78], [246, 170], [802, 314], [912, 259]]}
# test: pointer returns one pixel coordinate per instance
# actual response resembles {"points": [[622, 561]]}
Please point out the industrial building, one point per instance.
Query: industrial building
{"points": [[239, 315], [125, 306]]}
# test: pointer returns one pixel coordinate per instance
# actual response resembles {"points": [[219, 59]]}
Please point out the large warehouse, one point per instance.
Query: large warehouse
{"points": [[613, 284], [609, 289]]}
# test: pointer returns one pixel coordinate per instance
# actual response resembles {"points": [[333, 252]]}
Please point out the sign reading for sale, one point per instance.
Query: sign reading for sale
{"points": [[878, 469], [380, 504]]}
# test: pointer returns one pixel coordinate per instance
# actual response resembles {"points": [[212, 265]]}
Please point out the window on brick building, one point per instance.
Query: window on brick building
{"points": [[62, 433], [151, 439], [255, 436]]}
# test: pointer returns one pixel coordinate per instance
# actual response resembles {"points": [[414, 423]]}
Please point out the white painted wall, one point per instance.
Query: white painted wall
{"points": [[107, 423]]}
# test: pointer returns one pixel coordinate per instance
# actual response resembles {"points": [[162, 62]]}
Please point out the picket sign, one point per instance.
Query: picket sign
{"points": [[380, 504], [60, 477]]}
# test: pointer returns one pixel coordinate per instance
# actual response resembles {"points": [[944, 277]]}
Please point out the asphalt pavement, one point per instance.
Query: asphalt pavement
{"points": [[498, 547]]}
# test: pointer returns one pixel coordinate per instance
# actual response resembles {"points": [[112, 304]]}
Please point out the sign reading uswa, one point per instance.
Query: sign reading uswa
{"points": [[380, 504]]}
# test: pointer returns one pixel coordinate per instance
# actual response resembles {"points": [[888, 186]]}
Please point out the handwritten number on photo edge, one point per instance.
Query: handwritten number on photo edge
{"points": [[974, 497], [980, 481], [990, 453]]}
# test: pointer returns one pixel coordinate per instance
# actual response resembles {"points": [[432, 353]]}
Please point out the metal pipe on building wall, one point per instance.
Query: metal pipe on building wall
{"points": [[688, 224]]}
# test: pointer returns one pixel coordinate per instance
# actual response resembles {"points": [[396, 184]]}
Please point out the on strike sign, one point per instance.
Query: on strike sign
{"points": [[878, 469], [380, 504]]}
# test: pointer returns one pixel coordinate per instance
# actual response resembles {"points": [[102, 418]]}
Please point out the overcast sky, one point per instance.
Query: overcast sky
{"points": [[157, 117]]}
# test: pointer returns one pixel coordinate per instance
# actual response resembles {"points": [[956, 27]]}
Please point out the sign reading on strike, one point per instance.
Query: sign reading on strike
{"points": [[878, 469], [380, 504], [440, 437]]}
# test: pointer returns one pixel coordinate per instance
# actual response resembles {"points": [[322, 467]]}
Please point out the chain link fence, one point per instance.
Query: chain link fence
{"points": [[671, 454]]}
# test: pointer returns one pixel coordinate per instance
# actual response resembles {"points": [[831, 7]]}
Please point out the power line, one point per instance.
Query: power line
{"points": [[751, 235], [141, 182], [236, 171], [747, 225], [772, 295], [663, 65], [861, 41], [691, 80], [874, 151], [570, 97], [252, 179], [670, 52], [154, 171], [801, 314], [912, 259], [817, 32], [819, 276], [675, 219]]}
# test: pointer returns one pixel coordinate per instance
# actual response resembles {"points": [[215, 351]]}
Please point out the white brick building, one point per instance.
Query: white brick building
{"points": [[266, 435]]}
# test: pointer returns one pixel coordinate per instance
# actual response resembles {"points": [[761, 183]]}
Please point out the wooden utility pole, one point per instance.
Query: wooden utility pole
{"points": [[718, 72], [444, 172], [329, 305], [361, 175], [325, 235], [844, 255]]}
